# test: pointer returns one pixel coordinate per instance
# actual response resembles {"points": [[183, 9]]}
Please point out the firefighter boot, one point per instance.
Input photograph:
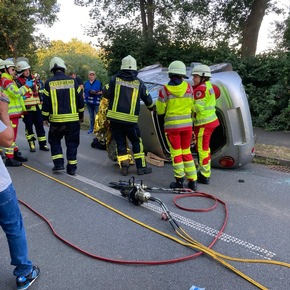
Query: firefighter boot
{"points": [[142, 166], [43, 147], [32, 146], [144, 170], [192, 184], [12, 162], [178, 183], [202, 179], [18, 156], [124, 167]]}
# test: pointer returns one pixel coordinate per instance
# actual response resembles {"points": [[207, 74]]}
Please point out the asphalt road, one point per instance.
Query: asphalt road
{"points": [[257, 199]]}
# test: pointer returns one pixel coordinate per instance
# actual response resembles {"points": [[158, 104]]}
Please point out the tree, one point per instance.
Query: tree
{"points": [[252, 26], [17, 24], [78, 56], [286, 34], [234, 22]]}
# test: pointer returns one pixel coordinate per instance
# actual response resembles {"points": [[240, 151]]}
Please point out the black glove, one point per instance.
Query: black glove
{"points": [[151, 109]]}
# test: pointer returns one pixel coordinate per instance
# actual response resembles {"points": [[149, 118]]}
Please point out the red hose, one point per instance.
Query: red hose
{"points": [[170, 261]]}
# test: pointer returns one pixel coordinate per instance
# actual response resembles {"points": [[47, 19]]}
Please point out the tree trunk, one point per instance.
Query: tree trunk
{"points": [[143, 17], [13, 46], [150, 13], [252, 27], [147, 17]]}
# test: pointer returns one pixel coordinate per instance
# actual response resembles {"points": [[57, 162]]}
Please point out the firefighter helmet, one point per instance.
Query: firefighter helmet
{"points": [[202, 70], [22, 66], [56, 63], [129, 62], [177, 67], [6, 64]]}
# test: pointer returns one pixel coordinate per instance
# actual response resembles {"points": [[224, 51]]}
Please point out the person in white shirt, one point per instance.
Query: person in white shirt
{"points": [[10, 215]]}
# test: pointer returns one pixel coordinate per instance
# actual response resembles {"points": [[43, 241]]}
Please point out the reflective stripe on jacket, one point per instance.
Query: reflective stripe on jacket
{"points": [[62, 99], [177, 103], [16, 106], [205, 106], [124, 92], [32, 97]]}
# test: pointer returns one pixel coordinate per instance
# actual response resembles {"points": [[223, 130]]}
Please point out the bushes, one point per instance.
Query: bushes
{"points": [[265, 77], [267, 82]]}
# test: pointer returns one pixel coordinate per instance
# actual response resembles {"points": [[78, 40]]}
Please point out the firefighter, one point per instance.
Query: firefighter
{"points": [[16, 108], [32, 103], [40, 86], [175, 101], [124, 93], [63, 108], [205, 119]]}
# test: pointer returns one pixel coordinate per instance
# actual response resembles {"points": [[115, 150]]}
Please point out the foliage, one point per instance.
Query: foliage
{"points": [[204, 21], [267, 82], [78, 56], [286, 34], [17, 24]]}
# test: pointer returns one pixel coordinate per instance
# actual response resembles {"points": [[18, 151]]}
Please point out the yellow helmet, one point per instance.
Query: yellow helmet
{"points": [[56, 63], [202, 70], [129, 62], [177, 67]]}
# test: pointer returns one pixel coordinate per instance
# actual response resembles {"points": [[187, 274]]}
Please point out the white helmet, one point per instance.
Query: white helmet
{"points": [[22, 66], [177, 67], [6, 64], [129, 62], [202, 70], [56, 62]]}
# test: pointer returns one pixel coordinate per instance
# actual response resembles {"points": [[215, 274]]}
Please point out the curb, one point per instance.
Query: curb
{"points": [[277, 161]]}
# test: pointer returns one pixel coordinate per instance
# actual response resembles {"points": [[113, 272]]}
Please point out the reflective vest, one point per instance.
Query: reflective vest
{"points": [[16, 106], [32, 97], [125, 105], [204, 107], [177, 103], [63, 101]]}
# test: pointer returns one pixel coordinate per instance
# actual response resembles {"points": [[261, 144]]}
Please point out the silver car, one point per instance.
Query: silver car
{"points": [[232, 142]]}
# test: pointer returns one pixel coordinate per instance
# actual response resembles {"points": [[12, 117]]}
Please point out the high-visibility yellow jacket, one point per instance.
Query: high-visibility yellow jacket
{"points": [[177, 103], [205, 102], [31, 97], [62, 99], [16, 106]]}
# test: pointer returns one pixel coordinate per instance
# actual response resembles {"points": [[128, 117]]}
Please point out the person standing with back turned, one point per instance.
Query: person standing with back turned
{"points": [[176, 102], [10, 216], [124, 93], [63, 107]]}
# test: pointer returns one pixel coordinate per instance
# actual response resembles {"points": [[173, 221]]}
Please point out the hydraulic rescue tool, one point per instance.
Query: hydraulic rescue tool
{"points": [[137, 193], [131, 183]]}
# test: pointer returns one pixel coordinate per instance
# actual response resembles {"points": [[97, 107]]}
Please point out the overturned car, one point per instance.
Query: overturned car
{"points": [[232, 142]]}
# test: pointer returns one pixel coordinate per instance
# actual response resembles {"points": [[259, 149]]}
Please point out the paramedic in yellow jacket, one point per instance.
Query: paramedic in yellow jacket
{"points": [[32, 116], [176, 102], [205, 120], [15, 109]]}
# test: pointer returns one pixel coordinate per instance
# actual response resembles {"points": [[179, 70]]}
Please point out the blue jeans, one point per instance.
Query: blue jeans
{"points": [[12, 224], [92, 109]]}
